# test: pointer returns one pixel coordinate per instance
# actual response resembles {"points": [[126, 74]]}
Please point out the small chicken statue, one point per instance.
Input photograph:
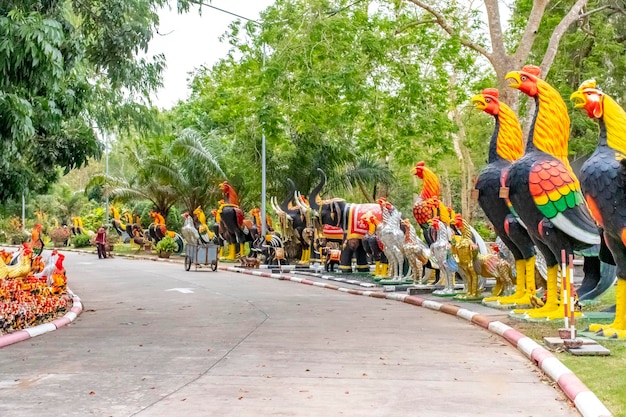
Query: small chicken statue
{"points": [[603, 182], [189, 231]]}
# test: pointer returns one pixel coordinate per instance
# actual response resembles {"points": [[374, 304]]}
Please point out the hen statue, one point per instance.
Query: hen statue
{"points": [[506, 146], [543, 189], [603, 181]]}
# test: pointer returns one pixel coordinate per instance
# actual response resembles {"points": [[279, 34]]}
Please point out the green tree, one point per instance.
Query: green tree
{"points": [[329, 83], [67, 67]]}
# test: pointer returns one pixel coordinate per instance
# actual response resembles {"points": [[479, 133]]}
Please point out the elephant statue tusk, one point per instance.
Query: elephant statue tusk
{"points": [[300, 202], [278, 211]]}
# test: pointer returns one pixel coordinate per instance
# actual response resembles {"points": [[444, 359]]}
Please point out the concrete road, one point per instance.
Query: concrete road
{"points": [[156, 341]]}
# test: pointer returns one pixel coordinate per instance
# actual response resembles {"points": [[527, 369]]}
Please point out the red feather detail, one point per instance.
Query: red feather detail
{"points": [[240, 216], [595, 211]]}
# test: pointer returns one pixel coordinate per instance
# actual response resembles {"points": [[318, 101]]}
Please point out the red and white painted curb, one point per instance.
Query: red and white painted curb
{"points": [[585, 401], [70, 316]]}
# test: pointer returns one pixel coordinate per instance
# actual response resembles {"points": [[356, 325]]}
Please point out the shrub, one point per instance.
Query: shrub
{"points": [[167, 244], [81, 241], [19, 238]]}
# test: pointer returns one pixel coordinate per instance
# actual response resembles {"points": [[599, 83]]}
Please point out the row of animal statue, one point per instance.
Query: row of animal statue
{"points": [[529, 192], [537, 205]]}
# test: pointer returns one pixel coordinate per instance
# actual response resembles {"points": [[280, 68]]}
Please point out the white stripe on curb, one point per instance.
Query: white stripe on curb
{"points": [[77, 308]]}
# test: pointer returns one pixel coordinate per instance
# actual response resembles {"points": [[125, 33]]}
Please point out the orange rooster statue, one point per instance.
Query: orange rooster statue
{"points": [[506, 145], [231, 220], [603, 182], [543, 189]]}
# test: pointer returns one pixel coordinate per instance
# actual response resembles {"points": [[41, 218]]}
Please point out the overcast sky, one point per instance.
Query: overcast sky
{"points": [[189, 41]]}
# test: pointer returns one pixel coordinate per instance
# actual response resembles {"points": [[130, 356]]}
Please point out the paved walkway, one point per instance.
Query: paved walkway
{"points": [[154, 340]]}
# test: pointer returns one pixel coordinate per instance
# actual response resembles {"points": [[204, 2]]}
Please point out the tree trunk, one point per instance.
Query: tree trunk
{"points": [[502, 61], [465, 162]]}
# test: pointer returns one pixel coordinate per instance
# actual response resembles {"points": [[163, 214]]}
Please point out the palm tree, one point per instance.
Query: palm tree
{"points": [[367, 171], [182, 170], [190, 169]]}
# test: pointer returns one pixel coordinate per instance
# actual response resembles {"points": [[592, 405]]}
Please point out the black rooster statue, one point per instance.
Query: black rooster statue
{"points": [[603, 181]]}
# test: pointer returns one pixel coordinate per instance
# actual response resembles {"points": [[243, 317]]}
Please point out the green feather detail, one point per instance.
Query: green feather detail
{"points": [[549, 210]]}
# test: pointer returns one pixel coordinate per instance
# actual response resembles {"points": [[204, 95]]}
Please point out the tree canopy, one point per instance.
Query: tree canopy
{"points": [[363, 90], [67, 69]]}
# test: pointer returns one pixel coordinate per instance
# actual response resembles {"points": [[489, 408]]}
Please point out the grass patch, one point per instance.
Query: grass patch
{"points": [[603, 375]]}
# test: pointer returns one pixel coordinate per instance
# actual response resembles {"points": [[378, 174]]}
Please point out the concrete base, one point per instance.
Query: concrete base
{"points": [[589, 348]]}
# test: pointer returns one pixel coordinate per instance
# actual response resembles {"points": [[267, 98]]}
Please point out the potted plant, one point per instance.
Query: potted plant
{"points": [[166, 246], [60, 236]]}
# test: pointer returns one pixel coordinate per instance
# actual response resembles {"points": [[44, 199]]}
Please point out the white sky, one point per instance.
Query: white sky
{"points": [[189, 41]]}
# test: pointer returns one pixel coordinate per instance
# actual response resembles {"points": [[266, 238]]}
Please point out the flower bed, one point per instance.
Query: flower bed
{"points": [[32, 291], [27, 302]]}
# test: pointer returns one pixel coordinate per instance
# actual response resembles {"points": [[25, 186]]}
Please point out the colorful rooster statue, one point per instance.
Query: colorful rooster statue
{"points": [[206, 234], [429, 204], [603, 182], [36, 243], [118, 225], [544, 191], [506, 146], [157, 230], [231, 221]]}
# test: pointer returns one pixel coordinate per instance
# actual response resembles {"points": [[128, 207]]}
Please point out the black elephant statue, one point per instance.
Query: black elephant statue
{"points": [[343, 222], [294, 225]]}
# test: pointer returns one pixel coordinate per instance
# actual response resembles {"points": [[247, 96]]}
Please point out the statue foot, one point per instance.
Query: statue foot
{"points": [[559, 314], [604, 328], [612, 333], [540, 312], [524, 299]]}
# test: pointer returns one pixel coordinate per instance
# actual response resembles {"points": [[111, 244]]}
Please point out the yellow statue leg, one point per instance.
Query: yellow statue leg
{"points": [[525, 283], [618, 327], [384, 270], [552, 302], [231, 252], [377, 269], [553, 309]]}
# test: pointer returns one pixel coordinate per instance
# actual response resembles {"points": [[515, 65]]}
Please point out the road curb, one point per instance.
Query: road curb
{"points": [[30, 332], [586, 402]]}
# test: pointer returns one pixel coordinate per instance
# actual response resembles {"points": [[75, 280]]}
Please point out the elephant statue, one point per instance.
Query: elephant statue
{"points": [[294, 225], [343, 222]]}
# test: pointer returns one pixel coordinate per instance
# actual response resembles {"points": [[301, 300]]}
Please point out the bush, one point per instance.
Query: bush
{"points": [[167, 244], [19, 238], [81, 241]]}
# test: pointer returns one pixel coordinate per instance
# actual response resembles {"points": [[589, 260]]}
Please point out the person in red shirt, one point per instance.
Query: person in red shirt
{"points": [[101, 241]]}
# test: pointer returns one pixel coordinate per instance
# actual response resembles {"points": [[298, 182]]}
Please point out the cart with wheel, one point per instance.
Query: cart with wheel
{"points": [[201, 256]]}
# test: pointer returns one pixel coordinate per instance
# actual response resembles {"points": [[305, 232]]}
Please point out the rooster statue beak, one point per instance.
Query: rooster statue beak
{"points": [[514, 79], [479, 102], [578, 99]]}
